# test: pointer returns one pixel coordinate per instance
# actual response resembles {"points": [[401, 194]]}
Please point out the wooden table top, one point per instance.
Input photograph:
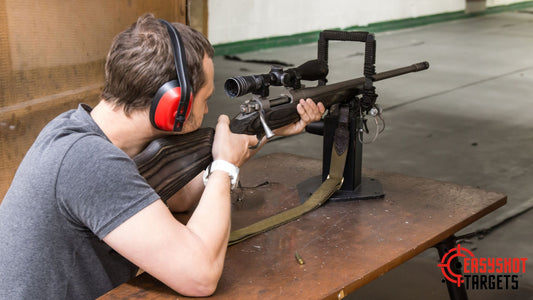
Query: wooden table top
{"points": [[344, 245]]}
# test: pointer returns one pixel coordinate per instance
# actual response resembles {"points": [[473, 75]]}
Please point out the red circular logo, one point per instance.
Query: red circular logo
{"points": [[446, 264]]}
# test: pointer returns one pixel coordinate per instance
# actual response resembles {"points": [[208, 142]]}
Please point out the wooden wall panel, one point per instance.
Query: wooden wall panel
{"points": [[198, 15], [52, 55]]}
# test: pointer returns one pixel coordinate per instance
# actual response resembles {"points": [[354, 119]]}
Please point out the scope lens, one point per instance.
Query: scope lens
{"points": [[231, 86], [240, 85]]}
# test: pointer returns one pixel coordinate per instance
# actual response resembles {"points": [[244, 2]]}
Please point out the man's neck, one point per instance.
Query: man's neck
{"points": [[130, 133]]}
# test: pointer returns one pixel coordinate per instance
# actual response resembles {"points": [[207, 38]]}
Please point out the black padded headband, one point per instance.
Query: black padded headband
{"points": [[180, 62]]}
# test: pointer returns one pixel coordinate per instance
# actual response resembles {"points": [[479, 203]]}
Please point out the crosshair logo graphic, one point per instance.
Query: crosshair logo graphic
{"points": [[446, 264]]}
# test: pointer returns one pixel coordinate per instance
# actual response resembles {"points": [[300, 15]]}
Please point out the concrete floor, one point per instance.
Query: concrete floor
{"points": [[466, 120]]}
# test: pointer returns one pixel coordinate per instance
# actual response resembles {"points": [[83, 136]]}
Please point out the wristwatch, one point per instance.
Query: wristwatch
{"points": [[225, 166]]}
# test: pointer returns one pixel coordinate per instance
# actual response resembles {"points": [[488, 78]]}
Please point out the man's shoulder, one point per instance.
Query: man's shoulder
{"points": [[67, 129], [73, 128], [74, 121]]}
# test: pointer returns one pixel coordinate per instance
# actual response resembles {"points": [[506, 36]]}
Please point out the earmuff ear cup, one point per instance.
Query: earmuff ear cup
{"points": [[164, 107]]}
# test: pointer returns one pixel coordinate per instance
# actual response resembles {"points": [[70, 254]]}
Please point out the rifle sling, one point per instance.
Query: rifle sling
{"points": [[321, 195], [325, 190]]}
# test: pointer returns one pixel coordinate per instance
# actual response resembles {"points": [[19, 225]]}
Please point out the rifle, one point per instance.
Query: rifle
{"points": [[261, 114], [170, 162]]}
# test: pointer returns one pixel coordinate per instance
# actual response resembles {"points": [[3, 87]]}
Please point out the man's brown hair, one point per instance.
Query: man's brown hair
{"points": [[140, 61]]}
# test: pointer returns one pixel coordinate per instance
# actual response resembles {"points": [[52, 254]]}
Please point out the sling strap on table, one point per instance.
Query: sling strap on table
{"points": [[321, 195]]}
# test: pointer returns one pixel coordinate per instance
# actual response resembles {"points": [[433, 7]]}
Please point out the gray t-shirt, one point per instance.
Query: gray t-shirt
{"points": [[72, 188]]}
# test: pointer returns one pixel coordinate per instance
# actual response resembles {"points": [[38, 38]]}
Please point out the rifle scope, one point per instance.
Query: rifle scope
{"points": [[242, 85], [258, 84]]}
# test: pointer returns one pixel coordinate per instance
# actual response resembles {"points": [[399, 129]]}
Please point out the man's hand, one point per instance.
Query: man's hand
{"points": [[309, 112], [229, 146]]}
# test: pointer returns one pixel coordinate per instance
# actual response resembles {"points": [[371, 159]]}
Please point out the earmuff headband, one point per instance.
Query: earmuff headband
{"points": [[180, 63]]}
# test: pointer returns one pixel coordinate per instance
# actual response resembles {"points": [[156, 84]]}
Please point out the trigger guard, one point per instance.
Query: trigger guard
{"points": [[259, 141]]}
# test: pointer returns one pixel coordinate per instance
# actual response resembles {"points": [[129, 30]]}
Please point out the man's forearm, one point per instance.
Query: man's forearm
{"points": [[188, 197], [211, 220]]}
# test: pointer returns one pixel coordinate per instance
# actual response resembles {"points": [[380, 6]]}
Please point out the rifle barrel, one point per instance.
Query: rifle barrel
{"points": [[400, 71], [319, 93]]}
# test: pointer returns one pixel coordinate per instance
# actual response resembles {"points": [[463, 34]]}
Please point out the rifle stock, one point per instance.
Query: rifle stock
{"points": [[169, 163]]}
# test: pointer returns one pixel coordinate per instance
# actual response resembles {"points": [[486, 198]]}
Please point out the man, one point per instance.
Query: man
{"points": [[79, 219]]}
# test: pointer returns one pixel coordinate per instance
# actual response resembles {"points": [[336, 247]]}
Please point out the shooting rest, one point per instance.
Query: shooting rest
{"points": [[344, 244], [354, 187]]}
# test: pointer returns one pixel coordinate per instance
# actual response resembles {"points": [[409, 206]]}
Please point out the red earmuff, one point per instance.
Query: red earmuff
{"points": [[172, 103], [164, 112]]}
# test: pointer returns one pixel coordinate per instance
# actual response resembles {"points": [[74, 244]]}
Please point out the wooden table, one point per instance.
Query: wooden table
{"points": [[345, 245]]}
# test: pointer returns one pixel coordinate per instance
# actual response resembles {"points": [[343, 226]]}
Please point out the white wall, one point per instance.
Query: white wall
{"points": [[502, 2], [239, 20]]}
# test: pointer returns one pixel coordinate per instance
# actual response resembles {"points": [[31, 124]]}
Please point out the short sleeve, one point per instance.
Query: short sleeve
{"points": [[99, 187]]}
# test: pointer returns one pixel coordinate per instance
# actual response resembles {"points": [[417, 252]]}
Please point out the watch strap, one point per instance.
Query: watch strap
{"points": [[222, 165]]}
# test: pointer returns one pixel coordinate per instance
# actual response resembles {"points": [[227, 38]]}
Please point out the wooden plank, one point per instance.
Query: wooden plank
{"points": [[345, 245]]}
